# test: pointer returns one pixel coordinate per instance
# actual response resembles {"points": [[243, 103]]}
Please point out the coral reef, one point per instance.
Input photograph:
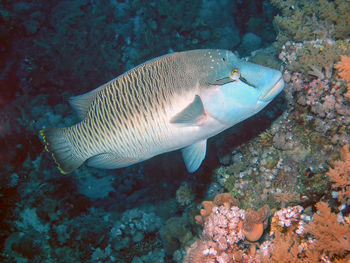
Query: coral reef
{"points": [[315, 58], [300, 238], [184, 194], [175, 233], [294, 235], [325, 98], [134, 232], [310, 20], [290, 170], [96, 188], [224, 229]]}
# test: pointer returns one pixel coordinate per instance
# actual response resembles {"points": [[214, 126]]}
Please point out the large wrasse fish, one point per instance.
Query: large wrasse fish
{"points": [[176, 101]]}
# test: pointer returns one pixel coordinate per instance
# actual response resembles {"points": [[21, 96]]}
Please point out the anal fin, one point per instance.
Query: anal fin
{"points": [[110, 161], [194, 155]]}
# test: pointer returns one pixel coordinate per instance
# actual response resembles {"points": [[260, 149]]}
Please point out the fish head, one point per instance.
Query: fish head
{"points": [[236, 94], [215, 66]]}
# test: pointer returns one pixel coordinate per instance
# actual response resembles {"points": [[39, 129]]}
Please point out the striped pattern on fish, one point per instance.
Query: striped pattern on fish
{"points": [[154, 108]]}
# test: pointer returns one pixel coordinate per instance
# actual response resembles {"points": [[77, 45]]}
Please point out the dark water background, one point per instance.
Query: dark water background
{"points": [[51, 50]]}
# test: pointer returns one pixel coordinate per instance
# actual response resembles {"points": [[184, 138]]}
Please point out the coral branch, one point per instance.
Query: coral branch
{"points": [[331, 236], [340, 174], [344, 72]]}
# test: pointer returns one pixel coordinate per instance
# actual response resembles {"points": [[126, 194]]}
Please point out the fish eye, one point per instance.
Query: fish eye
{"points": [[235, 75]]}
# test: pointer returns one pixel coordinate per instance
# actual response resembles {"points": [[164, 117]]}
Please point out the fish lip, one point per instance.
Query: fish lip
{"points": [[274, 91]]}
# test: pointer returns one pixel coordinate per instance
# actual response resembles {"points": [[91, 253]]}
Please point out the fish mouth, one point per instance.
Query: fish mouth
{"points": [[274, 91]]}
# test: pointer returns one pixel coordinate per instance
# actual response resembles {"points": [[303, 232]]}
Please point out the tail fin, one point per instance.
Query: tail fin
{"points": [[57, 143]]}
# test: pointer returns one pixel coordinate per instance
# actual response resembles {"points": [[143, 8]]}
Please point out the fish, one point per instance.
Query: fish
{"points": [[175, 101]]}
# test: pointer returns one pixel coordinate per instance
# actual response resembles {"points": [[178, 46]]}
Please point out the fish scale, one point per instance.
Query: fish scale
{"points": [[127, 104], [176, 101]]}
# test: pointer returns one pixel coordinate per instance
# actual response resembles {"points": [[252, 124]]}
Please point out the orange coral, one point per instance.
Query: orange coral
{"points": [[344, 72], [331, 236], [340, 174], [226, 200], [205, 212], [284, 249], [325, 237], [254, 232], [344, 67], [255, 222], [285, 197]]}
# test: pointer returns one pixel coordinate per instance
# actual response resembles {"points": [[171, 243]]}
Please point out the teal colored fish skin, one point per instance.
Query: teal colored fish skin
{"points": [[256, 88], [176, 101]]}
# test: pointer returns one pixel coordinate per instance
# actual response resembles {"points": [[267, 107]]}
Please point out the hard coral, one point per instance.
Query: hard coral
{"points": [[316, 58], [309, 20], [328, 109], [184, 194], [175, 233]]}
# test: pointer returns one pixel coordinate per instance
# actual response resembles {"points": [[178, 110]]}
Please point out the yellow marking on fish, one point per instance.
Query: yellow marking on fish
{"points": [[52, 154]]}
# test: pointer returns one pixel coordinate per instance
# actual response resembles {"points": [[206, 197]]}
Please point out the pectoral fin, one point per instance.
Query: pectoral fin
{"points": [[192, 114], [194, 155]]}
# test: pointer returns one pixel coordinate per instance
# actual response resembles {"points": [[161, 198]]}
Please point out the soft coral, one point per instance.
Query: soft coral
{"points": [[344, 72]]}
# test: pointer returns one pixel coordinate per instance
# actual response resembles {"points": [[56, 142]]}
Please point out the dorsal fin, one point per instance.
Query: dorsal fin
{"points": [[81, 103]]}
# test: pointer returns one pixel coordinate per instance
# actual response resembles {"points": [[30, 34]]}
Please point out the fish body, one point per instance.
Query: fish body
{"points": [[172, 102]]}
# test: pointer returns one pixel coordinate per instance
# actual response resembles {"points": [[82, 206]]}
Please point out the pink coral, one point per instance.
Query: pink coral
{"points": [[223, 230], [288, 215], [289, 218], [201, 251], [225, 226]]}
